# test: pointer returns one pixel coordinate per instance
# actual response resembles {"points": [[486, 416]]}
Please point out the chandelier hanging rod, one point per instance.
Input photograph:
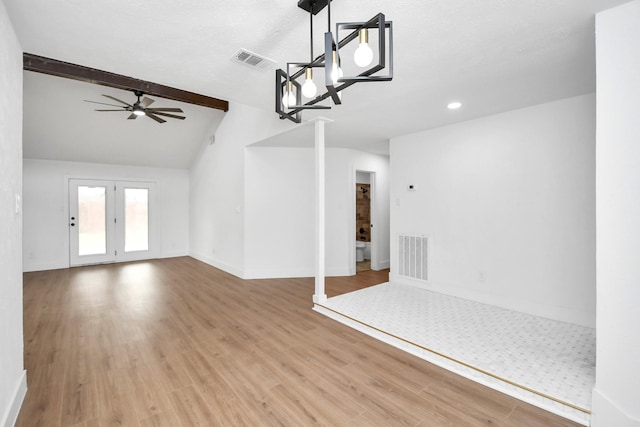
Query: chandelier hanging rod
{"points": [[311, 32]]}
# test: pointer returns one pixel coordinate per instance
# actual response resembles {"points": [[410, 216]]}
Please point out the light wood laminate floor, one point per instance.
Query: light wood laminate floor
{"points": [[176, 342]]}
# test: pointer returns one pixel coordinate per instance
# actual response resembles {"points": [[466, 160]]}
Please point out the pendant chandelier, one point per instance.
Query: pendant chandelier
{"points": [[343, 63]]}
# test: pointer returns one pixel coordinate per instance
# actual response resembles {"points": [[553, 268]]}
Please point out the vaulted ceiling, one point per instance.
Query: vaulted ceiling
{"points": [[493, 56]]}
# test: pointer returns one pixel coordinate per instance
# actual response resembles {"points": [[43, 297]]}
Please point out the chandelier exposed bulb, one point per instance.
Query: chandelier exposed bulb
{"points": [[309, 88], [363, 54], [289, 99], [336, 71]]}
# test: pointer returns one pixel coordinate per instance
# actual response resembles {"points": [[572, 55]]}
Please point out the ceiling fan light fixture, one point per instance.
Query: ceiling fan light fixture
{"points": [[138, 111]]}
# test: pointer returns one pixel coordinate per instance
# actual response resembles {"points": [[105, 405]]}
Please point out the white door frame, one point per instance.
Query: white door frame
{"points": [[115, 213], [374, 230]]}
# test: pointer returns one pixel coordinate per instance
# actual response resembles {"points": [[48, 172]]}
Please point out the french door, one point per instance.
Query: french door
{"points": [[110, 221]]}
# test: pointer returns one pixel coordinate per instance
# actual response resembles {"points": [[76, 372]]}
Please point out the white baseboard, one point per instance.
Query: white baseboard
{"points": [[605, 413], [293, 273], [336, 272], [276, 274], [250, 274], [175, 254], [27, 268], [217, 264], [381, 265], [20, 392]]}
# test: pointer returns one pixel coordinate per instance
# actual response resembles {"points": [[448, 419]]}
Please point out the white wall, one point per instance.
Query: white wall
{"points": [[216, 204], [13, 380], [46, 229], [362, 178], [252, 209], [508, 201], [280, 211], [616, 396]]}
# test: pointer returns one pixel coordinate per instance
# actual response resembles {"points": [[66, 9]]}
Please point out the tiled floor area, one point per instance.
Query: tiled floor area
{"points": [[547, 363]]}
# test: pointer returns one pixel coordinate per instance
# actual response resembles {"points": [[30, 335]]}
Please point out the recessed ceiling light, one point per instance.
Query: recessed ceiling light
{"points": [[454, 105]]}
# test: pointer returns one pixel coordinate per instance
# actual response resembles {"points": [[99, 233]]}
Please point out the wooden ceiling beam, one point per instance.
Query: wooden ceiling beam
{"points": [[58, 68]]}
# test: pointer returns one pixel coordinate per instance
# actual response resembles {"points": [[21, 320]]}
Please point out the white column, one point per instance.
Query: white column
{"points": [[319, 296]]}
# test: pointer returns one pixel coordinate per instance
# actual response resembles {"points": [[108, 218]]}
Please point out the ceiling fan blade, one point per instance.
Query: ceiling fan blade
{"points": [[103, 103], [156, 113], [117, 100], [145, 102], [170, 110], [154, 117], [132, 117], [111, 110]]}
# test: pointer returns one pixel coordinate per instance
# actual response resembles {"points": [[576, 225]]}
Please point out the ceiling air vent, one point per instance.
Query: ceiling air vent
{"points": [[253, 60]]}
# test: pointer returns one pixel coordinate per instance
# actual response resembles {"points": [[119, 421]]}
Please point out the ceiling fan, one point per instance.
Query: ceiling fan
{"points": [[141, 108]]}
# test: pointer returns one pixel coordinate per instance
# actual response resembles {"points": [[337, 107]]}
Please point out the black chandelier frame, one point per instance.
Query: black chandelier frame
{"points": [[295, 70]]}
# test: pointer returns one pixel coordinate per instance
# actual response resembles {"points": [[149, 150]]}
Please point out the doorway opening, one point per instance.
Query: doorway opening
{"points": [[364, 241]]}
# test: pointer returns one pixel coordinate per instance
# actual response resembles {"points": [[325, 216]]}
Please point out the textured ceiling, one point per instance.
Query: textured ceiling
{"points": [[492, 55]]}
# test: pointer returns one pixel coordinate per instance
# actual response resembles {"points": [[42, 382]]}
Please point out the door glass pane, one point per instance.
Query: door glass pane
{"points": [[136, 219], [92, 227]]}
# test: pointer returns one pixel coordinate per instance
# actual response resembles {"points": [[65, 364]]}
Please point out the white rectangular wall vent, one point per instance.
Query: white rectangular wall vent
{"points": [[253, 60], [413, 258]]}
